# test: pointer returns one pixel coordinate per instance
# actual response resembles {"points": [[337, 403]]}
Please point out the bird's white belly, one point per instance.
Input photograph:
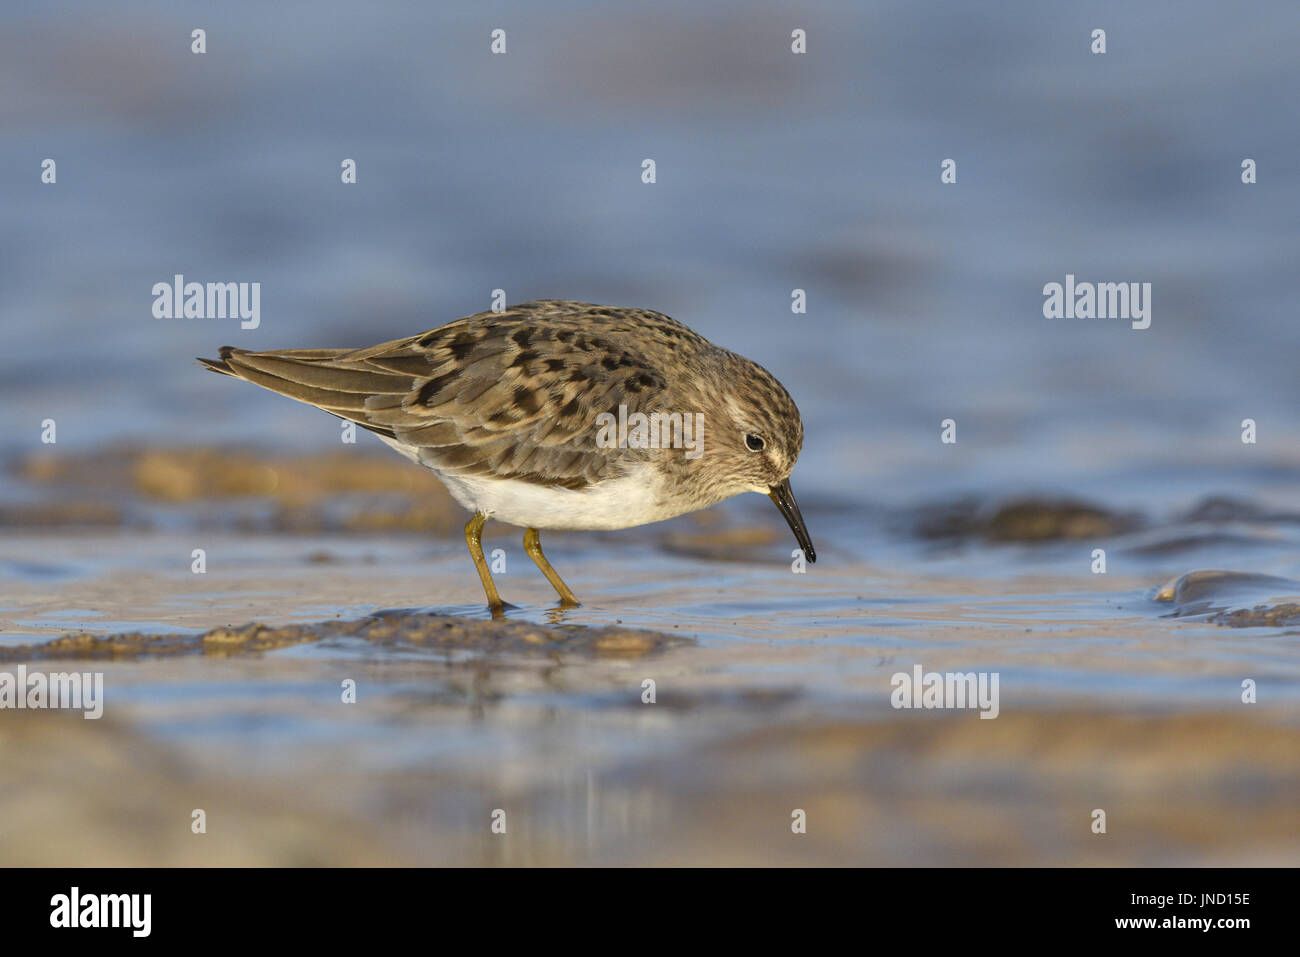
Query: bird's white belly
{"points": [[632, 500], [618, 503]]}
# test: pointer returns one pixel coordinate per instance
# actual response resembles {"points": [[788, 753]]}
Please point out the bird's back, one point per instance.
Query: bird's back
{"points": [[510, 395]]}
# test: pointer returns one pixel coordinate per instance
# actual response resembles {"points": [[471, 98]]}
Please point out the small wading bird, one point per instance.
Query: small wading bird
{"points": [[505, 408]]}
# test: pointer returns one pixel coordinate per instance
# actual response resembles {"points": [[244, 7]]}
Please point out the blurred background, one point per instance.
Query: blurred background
{"points": [[775, 171]]}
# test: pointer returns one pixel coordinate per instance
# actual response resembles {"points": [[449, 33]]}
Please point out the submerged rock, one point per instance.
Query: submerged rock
{"points": [[1287, 613], [390, 629], [1223, 508], [1236, 599], [1024, 520], [353, 491], [1213, 583], [742, 544]]}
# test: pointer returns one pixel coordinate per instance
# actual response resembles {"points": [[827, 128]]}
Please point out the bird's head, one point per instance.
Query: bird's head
{"points": [[755, 436]]}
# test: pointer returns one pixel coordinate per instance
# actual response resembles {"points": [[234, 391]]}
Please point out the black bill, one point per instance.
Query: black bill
{"points": [[784, 499]]}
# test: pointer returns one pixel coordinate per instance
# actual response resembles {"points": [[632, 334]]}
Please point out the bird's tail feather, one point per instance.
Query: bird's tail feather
{"points": [[320, 377]]}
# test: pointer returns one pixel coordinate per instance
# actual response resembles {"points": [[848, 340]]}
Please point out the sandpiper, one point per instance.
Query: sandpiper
{"points": [[557, 414]]}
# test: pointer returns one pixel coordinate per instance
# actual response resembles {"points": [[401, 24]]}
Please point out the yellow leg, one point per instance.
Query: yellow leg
{"points": [[533, 546], [474, 539]]}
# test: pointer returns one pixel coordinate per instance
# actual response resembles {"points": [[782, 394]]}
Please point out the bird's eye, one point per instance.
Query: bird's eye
{"points": [[754, 442]]}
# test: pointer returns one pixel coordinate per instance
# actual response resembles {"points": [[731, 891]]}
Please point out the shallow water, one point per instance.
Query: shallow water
{"points": [[779, 681], [925, 303]]}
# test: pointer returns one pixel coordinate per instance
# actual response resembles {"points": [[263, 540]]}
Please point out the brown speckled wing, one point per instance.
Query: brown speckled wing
{"points": [[512, 394]]}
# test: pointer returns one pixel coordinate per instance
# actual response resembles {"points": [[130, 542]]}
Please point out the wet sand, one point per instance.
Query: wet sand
{"points": [[709, 778], [224, 690]]}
